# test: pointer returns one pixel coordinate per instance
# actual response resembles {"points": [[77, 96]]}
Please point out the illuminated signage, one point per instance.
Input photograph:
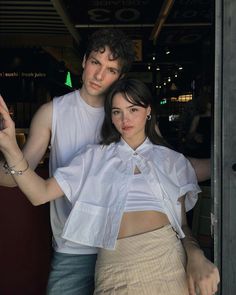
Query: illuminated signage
{"points": [[33, 75]]}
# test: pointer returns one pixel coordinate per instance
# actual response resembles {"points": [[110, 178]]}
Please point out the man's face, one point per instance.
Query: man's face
{"points": [[99, 73]]}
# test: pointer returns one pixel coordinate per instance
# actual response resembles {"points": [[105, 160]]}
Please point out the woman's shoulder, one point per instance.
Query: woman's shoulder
{"points": [[165, 151], [90, 153], [171, 162], [168, 157], [96, 149]]}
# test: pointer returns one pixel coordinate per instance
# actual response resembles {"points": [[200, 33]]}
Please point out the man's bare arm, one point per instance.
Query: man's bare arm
{"points": [[202, 168], [39, 135]]}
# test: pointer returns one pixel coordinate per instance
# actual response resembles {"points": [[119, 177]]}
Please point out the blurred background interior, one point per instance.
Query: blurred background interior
{"points": [[43, 42], [41, 48]]}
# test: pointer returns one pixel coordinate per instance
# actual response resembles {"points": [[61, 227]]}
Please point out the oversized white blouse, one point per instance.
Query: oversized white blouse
{"points": [[96, 182]]}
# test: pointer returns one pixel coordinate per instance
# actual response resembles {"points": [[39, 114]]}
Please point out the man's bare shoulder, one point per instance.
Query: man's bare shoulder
{"points": [[46, 107], [43, 116]]}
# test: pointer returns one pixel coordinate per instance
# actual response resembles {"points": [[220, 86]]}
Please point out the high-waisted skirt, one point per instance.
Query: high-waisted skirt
{"points": [[145, 264]]}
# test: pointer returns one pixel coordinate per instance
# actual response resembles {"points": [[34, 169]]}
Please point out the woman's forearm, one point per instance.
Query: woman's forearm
{"points": [[5, 179], [36, 189], [190, 243]]}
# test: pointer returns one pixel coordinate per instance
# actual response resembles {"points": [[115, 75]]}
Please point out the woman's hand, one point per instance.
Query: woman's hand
{"points": [[7, 133], [202, 275], [2, 104]]}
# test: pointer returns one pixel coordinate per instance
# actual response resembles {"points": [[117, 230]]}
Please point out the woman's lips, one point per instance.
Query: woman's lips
{"points": [[126, 128]]}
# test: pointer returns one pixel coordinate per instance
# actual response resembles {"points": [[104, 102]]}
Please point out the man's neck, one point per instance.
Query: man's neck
{"points": [[92, 100]]}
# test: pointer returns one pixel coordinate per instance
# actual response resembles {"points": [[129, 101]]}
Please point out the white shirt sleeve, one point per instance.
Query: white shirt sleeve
{"points": [[72, 177], [187, 182]]}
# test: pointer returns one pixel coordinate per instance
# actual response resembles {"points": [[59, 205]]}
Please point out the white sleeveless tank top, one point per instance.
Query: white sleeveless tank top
{"points": [[141, 198], [74, 125]]}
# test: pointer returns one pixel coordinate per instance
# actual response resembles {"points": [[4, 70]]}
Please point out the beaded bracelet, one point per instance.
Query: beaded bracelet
{"points": [[16, 163], [12, 171]]}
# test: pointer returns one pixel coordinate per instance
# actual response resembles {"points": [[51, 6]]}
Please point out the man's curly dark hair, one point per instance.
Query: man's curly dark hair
{"points": [[120, 45]]}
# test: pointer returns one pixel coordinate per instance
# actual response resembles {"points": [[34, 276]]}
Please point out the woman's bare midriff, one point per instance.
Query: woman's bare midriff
{"points": [[138, 222]]}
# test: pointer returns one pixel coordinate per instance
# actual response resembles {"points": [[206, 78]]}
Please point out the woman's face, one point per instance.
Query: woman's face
{"points": [[129, 120]]}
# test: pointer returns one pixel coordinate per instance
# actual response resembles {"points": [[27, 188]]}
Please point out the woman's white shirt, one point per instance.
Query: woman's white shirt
{"points": [[96, 182]]}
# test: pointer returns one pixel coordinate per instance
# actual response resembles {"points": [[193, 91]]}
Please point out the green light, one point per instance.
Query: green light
{"points": [[68, 80], [163, 101]]}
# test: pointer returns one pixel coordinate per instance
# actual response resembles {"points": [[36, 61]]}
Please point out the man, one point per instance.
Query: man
{"points": [[69, 123]]}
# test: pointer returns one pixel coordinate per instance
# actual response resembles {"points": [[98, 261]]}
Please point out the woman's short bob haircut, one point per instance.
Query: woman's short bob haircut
{"points": [[137, 93]]}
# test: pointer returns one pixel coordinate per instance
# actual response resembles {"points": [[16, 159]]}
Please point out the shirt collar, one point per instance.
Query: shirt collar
{"points": [[125, 152]]}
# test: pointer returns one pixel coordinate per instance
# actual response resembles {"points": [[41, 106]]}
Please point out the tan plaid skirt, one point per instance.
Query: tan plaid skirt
{"points": [[145, 264]]}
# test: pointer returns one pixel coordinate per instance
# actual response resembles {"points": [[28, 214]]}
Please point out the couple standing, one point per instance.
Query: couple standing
{"points": [[71, 122]]}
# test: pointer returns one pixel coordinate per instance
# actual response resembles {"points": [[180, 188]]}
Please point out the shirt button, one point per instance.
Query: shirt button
{"points": [[135, 153]]}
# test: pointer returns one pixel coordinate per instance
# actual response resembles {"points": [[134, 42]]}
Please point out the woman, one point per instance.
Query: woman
{"points": [[129, 196]]}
